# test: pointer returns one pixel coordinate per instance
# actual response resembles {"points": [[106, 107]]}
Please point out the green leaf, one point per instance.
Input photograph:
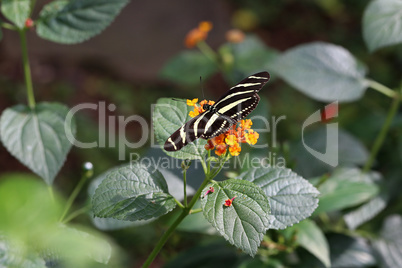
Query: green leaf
{"points": [[348, 251], [38, 137], [75, 21], [250, 56], [351, 152], [245, 222], [133, 193], [347, 187], [291, 198], [382, 24], [10, 256], [187, 67], [310, 237], [323, 71], [366, 212], [389, 246], [17, 11], [168, 116]]}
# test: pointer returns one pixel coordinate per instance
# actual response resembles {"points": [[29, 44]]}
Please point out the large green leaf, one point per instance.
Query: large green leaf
{"points": [[38, 137], [347, 187], [310, 236], [168, 116], [382, 24], [17, 11], [11, 257], [322, 71], [133, 193], [245, 222], [72, 22], [291, 198], [389, 245], [187, 67]]}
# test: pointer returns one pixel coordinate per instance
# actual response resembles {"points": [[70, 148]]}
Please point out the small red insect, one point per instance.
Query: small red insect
{"points": [[228, 202]]}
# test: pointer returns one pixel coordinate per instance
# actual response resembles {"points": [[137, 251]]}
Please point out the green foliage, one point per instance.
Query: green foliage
{"points": [[311, 237], [322, 71], [346, 188], [291, 197], [17, 11], [382, 24], [133, 193], [26, 235], [168, 116], [187, 67], [243, 223], [75, 21], [38, 137]]}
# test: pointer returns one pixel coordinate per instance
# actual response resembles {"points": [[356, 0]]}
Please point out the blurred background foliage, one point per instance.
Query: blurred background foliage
{"points": [[134, 62]]}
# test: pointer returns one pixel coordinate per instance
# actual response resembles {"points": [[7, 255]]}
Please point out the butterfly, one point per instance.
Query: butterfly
{"points": [[237, 103]]}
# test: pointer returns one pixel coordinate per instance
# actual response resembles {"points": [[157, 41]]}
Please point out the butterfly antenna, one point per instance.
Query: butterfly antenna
{"points": [[202, 88]]}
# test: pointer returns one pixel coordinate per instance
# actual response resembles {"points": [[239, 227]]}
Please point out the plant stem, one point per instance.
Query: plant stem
{"points": [[27, 69], [179, 203], [169, 231], [50, 189], [197, 210], [383, 132], [73, 195], [208, 51], [76, 213], [382, 89], [185, 186]]}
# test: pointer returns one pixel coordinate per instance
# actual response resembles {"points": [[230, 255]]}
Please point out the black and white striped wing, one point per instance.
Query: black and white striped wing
{"points": [[187, 133], [236, 104], [242, 98]]}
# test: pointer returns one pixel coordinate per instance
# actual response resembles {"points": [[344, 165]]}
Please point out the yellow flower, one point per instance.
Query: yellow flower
{"points": [[246, 124], [231, 140], [252, 137], [205, 26], [194, 113], [192, 102], [235, 149]]}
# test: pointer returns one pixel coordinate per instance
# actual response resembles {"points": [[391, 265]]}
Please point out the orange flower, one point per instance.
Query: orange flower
{"points": [[198, 34], [194, 113], [252, 137], [220, 149], [228, 202], [246, 124], [235, 149], [192, 102]]}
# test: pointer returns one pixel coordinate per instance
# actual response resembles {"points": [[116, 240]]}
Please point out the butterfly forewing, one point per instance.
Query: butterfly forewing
{"points": [[236, 104]]}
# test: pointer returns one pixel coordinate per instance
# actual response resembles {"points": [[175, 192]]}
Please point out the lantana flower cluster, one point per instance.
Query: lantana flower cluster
{"points": [[232, 138], [198, 34]]}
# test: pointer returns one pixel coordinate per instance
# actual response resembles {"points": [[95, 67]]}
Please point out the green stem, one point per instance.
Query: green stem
{"points": [[185, 186], [179, 203], [383, 132], [382, 89], [197, 210], [50, 189], [76, 213], [208, 51], [27, 69], [169, 231], [74, 195]]}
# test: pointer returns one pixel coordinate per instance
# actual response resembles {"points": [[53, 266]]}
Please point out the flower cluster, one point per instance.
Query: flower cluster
{"points": [[232, 138], [198, 34]]}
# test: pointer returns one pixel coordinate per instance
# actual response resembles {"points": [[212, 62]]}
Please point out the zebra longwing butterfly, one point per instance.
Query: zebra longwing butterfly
{"points": [[237, 103]]}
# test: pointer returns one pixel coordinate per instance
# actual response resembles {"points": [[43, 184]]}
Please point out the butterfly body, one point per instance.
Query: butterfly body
{"points": [[237, 103]]}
